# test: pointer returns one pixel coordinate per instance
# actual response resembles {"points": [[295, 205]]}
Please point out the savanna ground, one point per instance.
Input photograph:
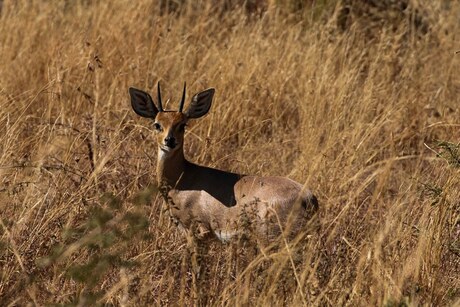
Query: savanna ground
{"points": [[357, 100]]}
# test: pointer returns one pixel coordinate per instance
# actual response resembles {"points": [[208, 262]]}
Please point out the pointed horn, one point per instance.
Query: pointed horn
{"points": [[181, 106], [160, 105]]}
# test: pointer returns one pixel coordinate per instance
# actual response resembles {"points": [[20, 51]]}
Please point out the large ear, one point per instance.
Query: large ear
{"points": [[201, 103], [142, 103]]}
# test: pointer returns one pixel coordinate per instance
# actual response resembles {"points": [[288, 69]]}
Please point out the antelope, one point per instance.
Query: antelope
{"points": [[210, 202]]}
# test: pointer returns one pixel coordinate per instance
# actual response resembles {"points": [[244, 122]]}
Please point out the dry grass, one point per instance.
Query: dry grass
{"points": [[359, 119]]}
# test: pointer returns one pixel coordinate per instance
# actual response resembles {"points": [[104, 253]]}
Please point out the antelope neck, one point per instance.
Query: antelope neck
{"points": [[170, 167]]}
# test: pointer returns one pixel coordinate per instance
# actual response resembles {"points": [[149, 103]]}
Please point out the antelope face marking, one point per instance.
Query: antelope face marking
{"points": [[170, 128], [170, 125]]}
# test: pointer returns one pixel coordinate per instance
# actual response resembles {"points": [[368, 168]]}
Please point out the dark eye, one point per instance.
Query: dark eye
{"points": [[182, 127], [157, 127]]}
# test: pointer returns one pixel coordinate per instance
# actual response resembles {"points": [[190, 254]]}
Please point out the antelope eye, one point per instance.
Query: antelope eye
{"points": [[157, 126], [182, 127]]}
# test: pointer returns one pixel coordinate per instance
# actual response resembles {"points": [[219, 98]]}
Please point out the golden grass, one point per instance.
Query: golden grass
{"points": [[358, 119]]}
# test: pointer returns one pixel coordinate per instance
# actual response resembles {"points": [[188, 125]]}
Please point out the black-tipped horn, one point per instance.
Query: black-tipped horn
{"points": [[160, 105], [181, 106]]}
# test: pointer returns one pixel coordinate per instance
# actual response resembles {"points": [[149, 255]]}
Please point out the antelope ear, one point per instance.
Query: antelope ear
{"points": [[142, 103], [201, 103]]}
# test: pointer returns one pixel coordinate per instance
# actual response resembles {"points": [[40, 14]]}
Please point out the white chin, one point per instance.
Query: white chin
{"points": [[166, 149]]}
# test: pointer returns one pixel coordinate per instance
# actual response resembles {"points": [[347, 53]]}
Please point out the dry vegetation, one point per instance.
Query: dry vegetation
{"points": [[366, 116]]}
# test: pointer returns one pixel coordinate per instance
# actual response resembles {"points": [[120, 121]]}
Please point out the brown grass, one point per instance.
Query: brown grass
{"points": [[357, 117]]}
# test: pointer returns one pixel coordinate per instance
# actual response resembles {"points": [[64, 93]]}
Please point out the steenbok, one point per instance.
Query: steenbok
{"points": [[208, 202]]}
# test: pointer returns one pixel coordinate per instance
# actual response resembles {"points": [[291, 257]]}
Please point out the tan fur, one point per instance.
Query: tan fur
{"points": [[215, 203]]}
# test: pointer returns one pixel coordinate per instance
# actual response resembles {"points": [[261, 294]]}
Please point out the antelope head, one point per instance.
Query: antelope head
{"points": [[170, 125]]}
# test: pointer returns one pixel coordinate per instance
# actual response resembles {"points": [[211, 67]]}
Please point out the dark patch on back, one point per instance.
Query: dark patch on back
{"points": [[223, 193]]}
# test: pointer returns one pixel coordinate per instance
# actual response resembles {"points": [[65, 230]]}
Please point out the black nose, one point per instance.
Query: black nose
{"points": [[170, 142]]}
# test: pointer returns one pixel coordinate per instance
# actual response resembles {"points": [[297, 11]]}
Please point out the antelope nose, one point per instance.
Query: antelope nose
{"points": [[170, 142]]}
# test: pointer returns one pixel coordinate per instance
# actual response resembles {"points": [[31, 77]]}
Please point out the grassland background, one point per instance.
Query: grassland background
{"points": [[357, 111]]}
